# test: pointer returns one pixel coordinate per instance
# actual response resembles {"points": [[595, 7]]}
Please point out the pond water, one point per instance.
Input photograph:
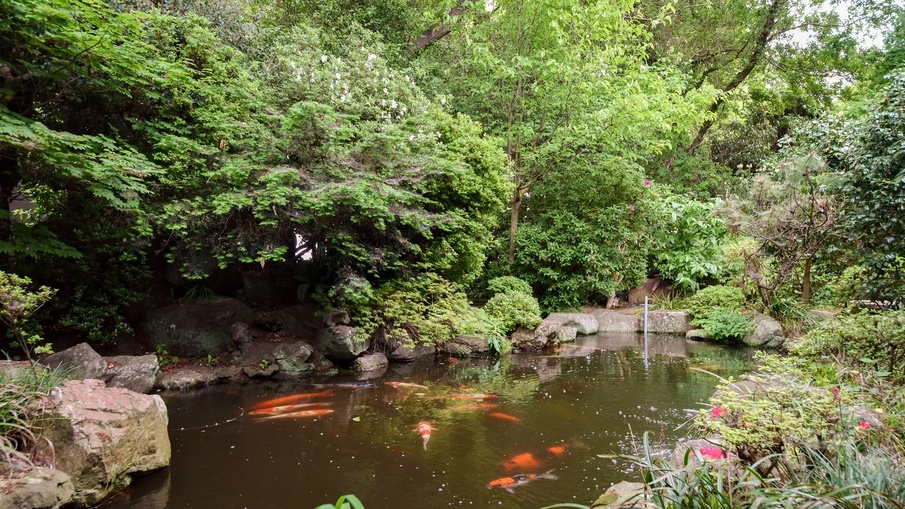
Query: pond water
{"points": [[568, 409]]}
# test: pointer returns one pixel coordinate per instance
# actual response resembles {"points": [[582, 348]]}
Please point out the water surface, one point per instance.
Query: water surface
{"points": [[593, 398]]}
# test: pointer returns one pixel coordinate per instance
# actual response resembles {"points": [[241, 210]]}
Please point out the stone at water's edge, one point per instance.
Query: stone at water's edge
{"points": [[624, 494], [370, 362], [466, 345], [547, 333], [610, 320], [664, 321], [339, 342], [292, 358], [188, 377], [136, 373], [39, 488], [583, 323], [767, 333], [80, 361], [101, 436]]}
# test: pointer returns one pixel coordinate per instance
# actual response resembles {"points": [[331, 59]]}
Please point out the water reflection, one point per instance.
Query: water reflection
{"points": [[591, 398]]}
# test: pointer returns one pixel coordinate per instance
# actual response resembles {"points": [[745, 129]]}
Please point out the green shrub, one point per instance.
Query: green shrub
{"points": [[717, 310], [513, 309], [717, 296], [874, 340], [847, 287], [508, 284], [724, 325]]}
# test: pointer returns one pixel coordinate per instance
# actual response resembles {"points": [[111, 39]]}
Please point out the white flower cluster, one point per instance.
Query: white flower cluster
{"points": [[362, 84]]}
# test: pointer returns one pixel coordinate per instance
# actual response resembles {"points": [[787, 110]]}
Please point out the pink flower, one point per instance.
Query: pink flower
{"points": [[836, 393], [717, 412], [632, 207], [712, 453], [646, 183], [864, 425]]}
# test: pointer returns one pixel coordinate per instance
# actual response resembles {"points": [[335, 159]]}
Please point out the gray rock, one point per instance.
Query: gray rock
{"points": [[12, 370], [339, 342], [403, 353], [262, 370], [292, 358], [466, 345], [195, 329], [693, 448], [697, 335], [370, 362], [547, 332], [102, 436], [623, 494], [137, 373], [583, 323], [80, 362], [188, 377], [38, 488], [336, 317], [767, 333], [240, 333], [566, 334], [667, 322], [610, 320]]}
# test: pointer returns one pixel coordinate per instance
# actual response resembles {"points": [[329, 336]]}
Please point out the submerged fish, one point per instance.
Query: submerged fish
{"points": [[424, 429], [347, 385], [294, 398], [405, 385], [530, 460], [303, 413], [467, 396], [282, 409], [516, 480], [504, 417], [474, 406]]}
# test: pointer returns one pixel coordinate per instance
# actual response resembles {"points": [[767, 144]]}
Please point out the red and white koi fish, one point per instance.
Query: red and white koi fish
{"points": [[405, 385], [303, 413], [287, 408], [516, 480], [504, 417], [424, 429], [294, 398]]}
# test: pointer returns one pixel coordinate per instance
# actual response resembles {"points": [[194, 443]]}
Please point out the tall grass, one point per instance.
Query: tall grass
{"points": [[18, 423]]}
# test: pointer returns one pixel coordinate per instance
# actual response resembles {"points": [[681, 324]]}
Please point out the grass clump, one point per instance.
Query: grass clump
{"points": [[19, 421]]}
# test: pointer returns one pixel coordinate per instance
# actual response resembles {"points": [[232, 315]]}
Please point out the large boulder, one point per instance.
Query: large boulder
{"points": [[547, 332], [466, 345], [370, 362], [583, 323], [39, 488], [339, 342], [134, 372], [79, 361], [102, 436], [667, 322], [610, 320], [195, 329], [767, 333], [188, 377], [292, 358], [404, 353]]}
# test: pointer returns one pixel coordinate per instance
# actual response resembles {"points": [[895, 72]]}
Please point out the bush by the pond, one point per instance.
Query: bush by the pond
{"points": [[717, 310], [511, 305]]}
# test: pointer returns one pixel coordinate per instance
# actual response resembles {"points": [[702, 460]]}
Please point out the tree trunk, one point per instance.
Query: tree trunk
{"points": [[9, 180], [760, 44], [806, 282], [514, 205]]}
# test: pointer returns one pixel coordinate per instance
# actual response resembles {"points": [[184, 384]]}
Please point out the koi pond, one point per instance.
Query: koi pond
{"points": [[450, 429]]}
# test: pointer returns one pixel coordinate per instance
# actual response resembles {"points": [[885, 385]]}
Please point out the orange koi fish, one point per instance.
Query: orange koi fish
{"points": [[405, 385], [424, 429], [504, 417], [303, 413], [286, 408], [528, 460], [295, 398], [516, 480]]}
